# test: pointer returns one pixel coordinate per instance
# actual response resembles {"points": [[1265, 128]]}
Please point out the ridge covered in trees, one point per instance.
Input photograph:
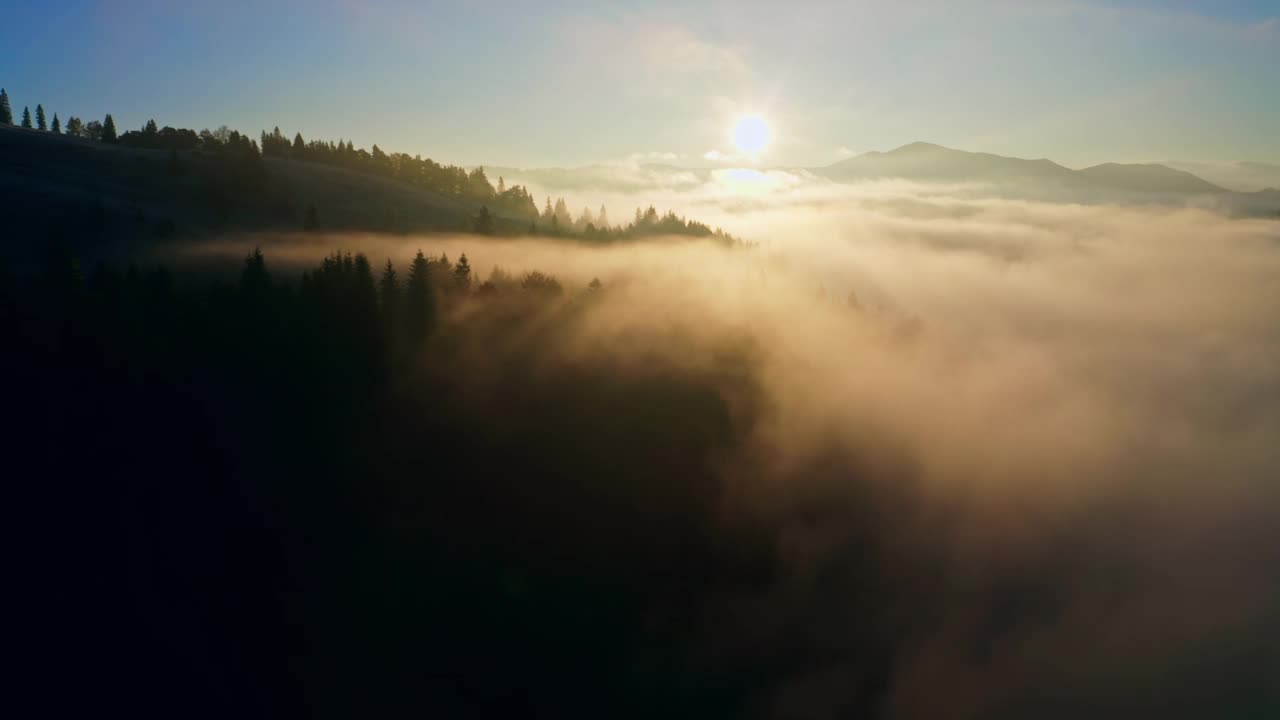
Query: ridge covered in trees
{"points": [[509, 202]]}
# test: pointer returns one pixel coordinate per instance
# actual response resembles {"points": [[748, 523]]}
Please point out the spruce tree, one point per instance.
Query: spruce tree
{"points": [[57, 126], [419, 298], [462, 274], [255, 281], [40, 120], [109, 129], [6, 112], [389, 288], [26, 117]]}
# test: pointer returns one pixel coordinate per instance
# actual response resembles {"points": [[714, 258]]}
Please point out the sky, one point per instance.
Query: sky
{"points": [[564, 84]]}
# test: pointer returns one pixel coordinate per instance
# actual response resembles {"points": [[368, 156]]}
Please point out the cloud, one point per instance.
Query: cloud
{"points": [[978, 437], [660, 56], [653, 156]]}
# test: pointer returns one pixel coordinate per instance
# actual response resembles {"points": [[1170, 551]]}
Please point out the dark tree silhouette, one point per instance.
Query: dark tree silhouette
{"points": [[389, 289], [109, 129], [6, 112], [26, 117], [419, 298], [255, 281], [56, 127], [482, 223], [75, 126], [462, 274], [41, 123]]}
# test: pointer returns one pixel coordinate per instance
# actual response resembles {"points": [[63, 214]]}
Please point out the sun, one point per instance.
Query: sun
{"points": [[750, 135]]}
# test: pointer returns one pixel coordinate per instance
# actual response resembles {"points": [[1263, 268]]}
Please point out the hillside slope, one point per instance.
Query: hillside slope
{"points": [[89, 194]]}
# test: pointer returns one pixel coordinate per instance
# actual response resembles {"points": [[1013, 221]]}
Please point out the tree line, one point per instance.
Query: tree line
{"points": [[512, 202], [104, 130]]}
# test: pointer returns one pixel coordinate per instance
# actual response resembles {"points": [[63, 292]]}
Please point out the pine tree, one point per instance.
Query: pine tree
{"points": [[26, 117], [255, 281], [366, 294], [6, 112], [75, 127], [462, 274], [109, 129], [603, 219], [419, 298], [483, 222], [389, 288], [41, 124], [56, 127], [298, 145]]}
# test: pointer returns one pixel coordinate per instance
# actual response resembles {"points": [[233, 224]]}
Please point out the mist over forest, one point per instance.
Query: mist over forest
{"points": [[300, 429]]}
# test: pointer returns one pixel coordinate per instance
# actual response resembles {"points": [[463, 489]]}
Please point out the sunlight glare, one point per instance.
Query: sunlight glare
{"points": [[751, 135]]}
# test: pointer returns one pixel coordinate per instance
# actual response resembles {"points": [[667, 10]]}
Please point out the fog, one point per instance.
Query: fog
{"points": [[1057, 423]]}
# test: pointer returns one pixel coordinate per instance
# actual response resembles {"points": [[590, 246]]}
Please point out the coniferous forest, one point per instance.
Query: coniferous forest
{"points": [[374, 491], [183, 181]]}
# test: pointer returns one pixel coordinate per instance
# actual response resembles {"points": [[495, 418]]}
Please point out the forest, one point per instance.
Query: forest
{"points": [[373, 489], [234, 175]]}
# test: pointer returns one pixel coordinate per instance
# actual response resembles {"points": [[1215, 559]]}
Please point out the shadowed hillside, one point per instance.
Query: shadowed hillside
{"points": [[109, 199]]}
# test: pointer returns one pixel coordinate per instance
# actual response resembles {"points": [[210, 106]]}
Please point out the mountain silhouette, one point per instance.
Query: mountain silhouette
{"points": [[926, 162]]}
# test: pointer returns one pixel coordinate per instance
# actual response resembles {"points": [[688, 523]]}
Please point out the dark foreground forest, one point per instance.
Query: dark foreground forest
{"points": [[357, 497], [405, 492]]}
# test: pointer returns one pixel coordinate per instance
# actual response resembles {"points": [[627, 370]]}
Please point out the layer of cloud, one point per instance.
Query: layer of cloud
{"points": [[993, 437]]}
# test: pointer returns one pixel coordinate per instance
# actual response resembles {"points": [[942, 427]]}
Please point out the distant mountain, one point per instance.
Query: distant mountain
{"points": [[926, 162], [1238, 176], [1147, 178]]}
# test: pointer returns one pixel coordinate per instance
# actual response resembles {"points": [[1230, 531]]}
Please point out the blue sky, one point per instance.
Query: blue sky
{"points": [[558, 83]]}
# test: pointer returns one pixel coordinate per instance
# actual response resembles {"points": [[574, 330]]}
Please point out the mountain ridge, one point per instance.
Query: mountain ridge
{"points": [[931, 162]]}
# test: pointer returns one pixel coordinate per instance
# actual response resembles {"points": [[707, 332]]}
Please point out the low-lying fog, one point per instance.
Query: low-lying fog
{"points": [[1084, 402]]}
